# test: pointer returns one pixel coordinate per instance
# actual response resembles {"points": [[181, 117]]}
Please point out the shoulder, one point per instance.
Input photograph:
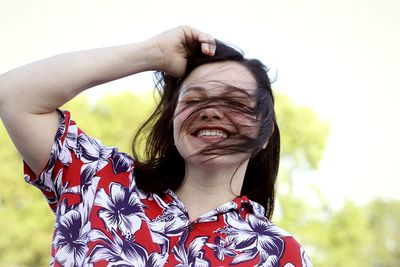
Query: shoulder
{"points": [[292, 252], [273, 240], [255, 236]]}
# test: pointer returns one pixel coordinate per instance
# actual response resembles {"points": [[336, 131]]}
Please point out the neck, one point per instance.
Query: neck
{"points": [[205, 187]]}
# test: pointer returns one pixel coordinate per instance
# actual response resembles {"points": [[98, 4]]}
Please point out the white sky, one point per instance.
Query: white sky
{"points": [[339, 57]]}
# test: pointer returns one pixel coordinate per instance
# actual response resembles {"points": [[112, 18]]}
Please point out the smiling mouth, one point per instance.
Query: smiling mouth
{"points": [[212, 134]]}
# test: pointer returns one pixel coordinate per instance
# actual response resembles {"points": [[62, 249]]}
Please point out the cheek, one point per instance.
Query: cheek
{"points": [[247, 126], [179, 118], [182, 113]]}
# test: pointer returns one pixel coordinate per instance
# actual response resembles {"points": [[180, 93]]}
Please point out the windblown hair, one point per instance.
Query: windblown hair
{"points": [[162, 166]]}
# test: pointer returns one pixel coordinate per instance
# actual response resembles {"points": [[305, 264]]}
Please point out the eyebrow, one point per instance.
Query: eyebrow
{"points": [[227, 89], [197, 89]]}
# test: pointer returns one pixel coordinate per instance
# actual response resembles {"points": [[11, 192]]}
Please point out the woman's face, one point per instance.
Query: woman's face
{"points": [[214, 122]]}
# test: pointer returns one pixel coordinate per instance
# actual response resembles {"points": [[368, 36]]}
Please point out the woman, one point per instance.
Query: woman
{"points": [[204, 193]]}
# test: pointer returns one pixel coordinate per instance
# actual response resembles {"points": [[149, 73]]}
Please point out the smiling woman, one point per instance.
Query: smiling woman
{"points": [[224, 95], [202, 195]]}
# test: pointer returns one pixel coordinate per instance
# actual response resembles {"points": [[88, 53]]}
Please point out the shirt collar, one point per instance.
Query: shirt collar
{"points": [[250, 206], [239, 204]]}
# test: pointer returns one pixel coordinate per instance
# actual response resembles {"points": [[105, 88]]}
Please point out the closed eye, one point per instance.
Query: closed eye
{"points": [[193, 100]]}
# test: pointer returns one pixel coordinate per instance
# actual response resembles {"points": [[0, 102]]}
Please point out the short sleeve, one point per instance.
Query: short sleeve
{"points": [[294, 254], [74, 160]]}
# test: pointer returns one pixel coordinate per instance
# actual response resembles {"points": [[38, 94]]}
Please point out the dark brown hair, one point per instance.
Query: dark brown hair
{"points": [[161, 166]]}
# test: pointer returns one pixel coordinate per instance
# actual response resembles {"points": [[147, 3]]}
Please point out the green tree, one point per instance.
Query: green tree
{"points": [[303, 139], [351, 236], [347, 238], [384, 225]]}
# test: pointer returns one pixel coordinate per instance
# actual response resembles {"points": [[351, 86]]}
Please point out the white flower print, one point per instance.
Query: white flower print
{"points": [[193, 255], [123, 252], [258, 209], [70, 144], [173, 219], [253, 237], [121, 209], [222, 248], [94, 156], [71, 239], [212, 215], [72, 227], [120, 162]]}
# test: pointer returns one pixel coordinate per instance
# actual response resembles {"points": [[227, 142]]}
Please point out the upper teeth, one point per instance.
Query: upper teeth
{"points": [[216, 133]]}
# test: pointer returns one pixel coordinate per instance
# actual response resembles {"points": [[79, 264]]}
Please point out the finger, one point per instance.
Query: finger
{"points": [[208, 45], [206, 40]]}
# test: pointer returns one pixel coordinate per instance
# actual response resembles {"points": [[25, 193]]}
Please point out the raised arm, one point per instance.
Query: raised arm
{"points": [[29, 95]]}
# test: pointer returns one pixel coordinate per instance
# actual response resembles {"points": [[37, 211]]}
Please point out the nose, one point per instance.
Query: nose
{"points": [[210, 113]]}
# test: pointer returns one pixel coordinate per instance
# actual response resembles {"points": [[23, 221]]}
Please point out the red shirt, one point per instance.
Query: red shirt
{"points": [[103, 219]]}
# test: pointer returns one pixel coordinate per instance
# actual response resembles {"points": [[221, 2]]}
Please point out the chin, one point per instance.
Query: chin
{"points": [[217, 161], [188, 149]]}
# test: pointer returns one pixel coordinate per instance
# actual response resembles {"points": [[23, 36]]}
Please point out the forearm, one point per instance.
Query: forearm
{"points": [[29, 95], [43, 86]]}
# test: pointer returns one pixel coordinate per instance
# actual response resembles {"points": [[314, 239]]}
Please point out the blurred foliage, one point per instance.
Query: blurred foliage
{"points": [[351, 236], [303, 134]]}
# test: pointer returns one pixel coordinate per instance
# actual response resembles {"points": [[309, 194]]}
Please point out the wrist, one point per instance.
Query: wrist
{"points": [[147, 55]]}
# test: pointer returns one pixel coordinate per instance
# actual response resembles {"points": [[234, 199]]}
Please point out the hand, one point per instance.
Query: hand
{"points": [[177, 44]]}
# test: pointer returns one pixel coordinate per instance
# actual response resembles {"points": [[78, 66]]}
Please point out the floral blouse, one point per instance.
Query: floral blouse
{"points": [[103, 219]]}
